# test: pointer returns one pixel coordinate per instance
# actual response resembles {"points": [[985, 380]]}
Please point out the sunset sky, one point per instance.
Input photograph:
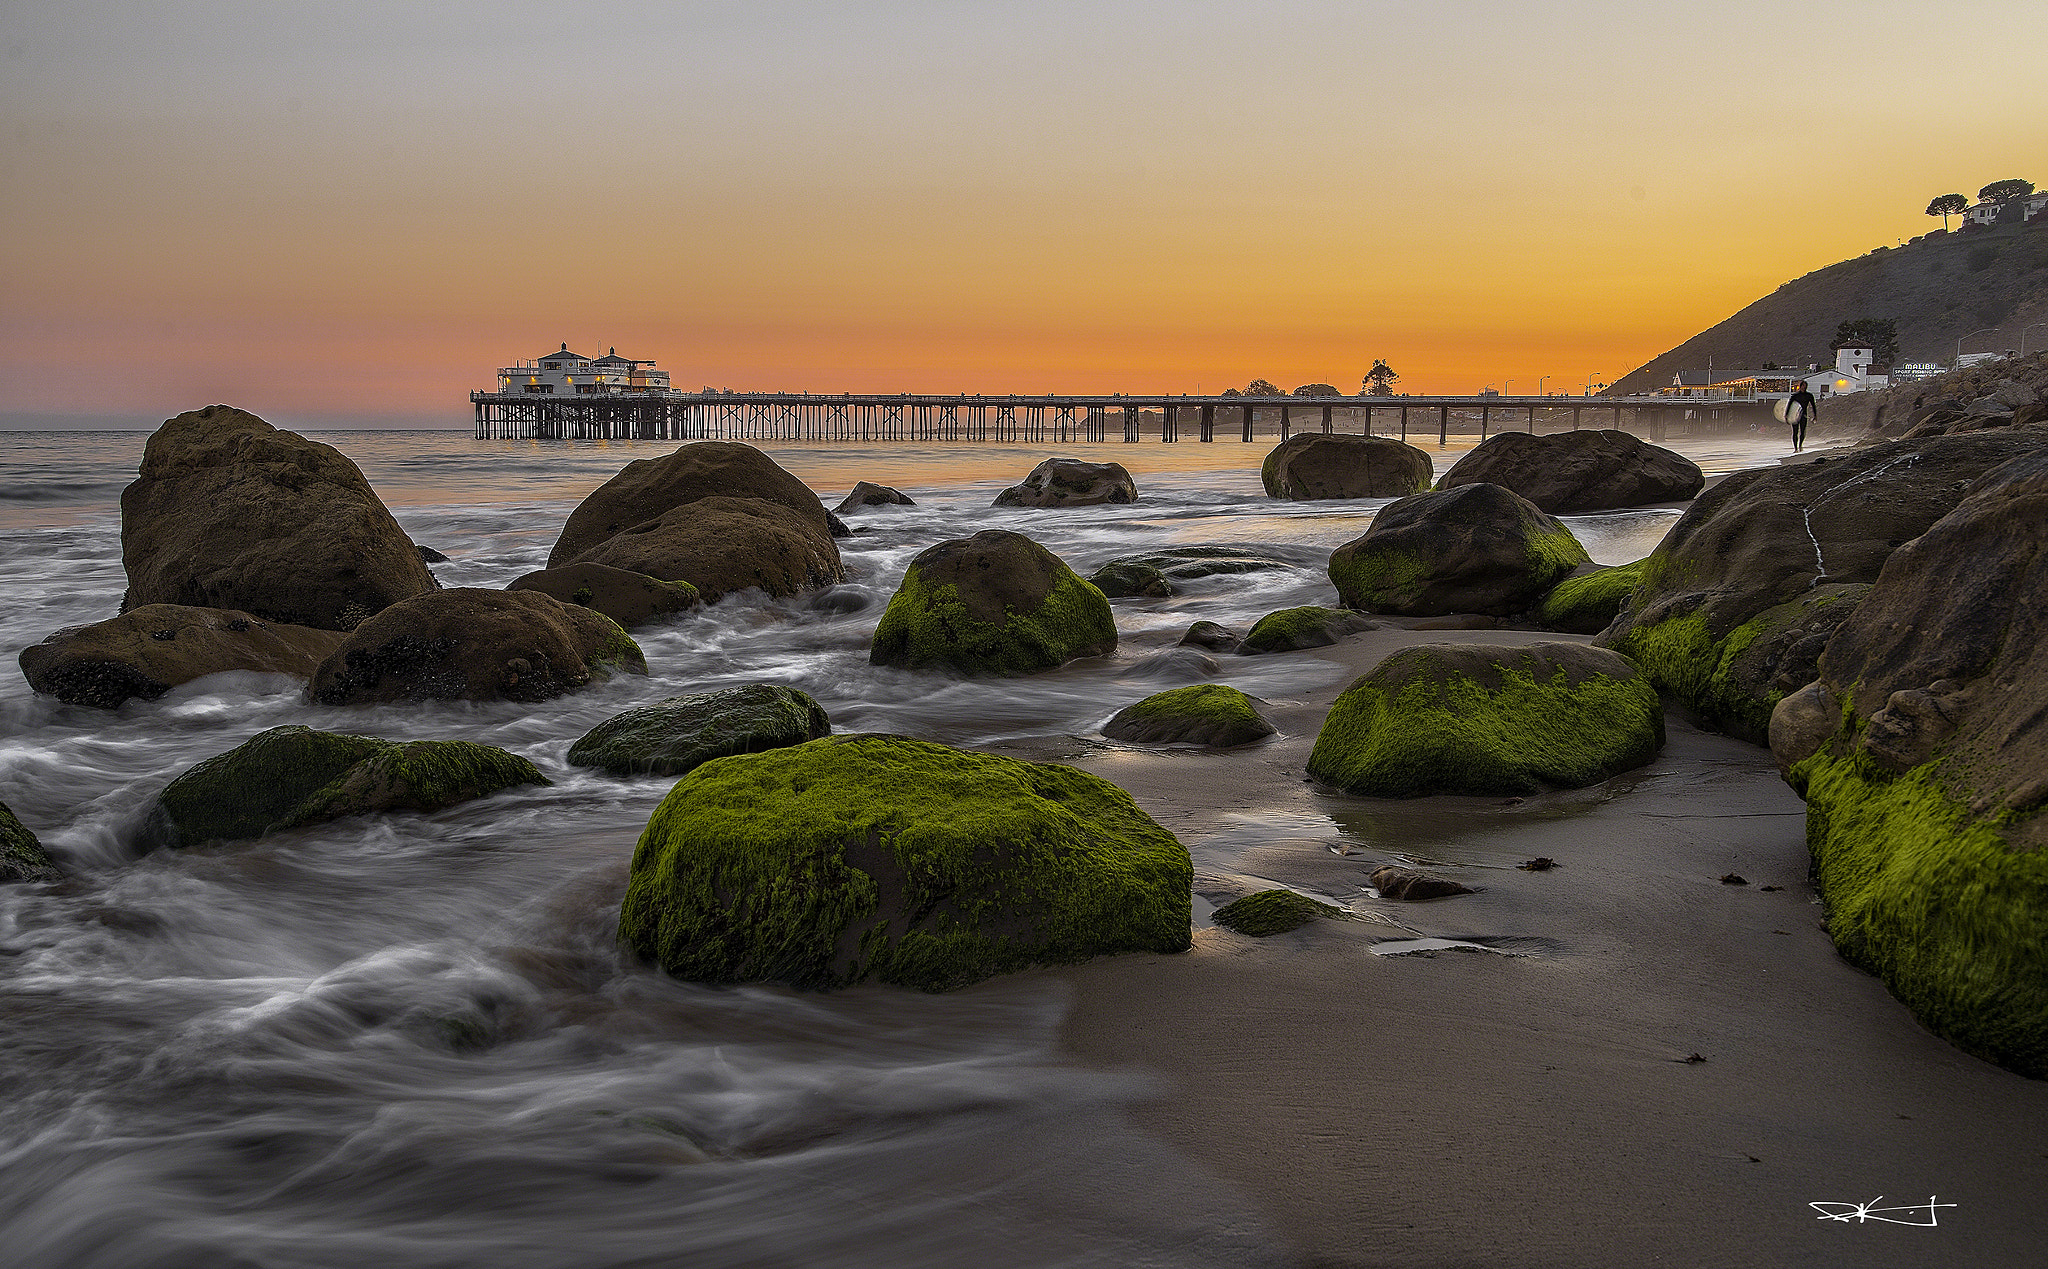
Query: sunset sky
{"points": [[338, 214]]}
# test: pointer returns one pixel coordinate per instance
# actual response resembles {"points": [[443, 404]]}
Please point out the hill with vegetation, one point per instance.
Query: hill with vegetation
{"points": [[1937, 288]]}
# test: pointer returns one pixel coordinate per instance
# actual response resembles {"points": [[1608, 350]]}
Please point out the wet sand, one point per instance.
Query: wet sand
{"points": [[1670, 1073]]}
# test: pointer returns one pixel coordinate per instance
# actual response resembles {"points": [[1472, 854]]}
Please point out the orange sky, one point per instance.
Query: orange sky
{"points": [[356, 215]]}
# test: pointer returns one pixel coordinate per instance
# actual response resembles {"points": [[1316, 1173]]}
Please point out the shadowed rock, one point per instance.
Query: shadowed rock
{"points": [[1566, 472], [629, 598], [721, 545], [1405, 883], [649, 488], [147, 651], [22, 857], [682, 733], [1473, 549], [1314, 465], [866, 495], [1069, 482]]}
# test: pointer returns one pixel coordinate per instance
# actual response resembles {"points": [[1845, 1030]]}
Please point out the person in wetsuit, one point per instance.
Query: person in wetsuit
{"points": [[1799, 411]]}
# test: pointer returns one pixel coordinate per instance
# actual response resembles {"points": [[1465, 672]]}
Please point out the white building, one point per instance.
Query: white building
{"points": [[1852, 373], [565, 373], [1988, 213]]}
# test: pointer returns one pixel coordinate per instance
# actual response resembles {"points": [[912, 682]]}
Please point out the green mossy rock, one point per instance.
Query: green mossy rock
{"points": [[1588, 603], [292, 776], [1292, 629], [1205, 714], [856, 857], [995, 603], [22, 857], [1488, 720], [1271, 912], [682, 733], [1472, 549]]}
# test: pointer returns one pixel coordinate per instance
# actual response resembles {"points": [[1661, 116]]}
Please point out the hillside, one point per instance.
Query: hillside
{"points": [[1938, 288]]}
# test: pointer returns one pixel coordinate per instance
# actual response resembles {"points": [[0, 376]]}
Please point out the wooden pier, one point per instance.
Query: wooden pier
{"points": [[1062, 420]]}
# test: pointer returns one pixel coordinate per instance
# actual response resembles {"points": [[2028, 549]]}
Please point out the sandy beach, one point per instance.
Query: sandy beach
{"points": [[1669, 1071]]}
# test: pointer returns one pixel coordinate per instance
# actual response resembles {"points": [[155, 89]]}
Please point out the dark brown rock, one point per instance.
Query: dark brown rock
{"points": [[1405, 883], [476, 645], [866, 495], [229, 512], [721, 545], [649, 488], [1069, 482], [147, 651], [22, 857], [631, 599], [1315, 465], [1210, 635], [1473, 549], [1567, 472]]}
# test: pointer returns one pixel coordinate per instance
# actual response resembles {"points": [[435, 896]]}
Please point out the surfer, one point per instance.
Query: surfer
{"points": [[1799, 409]]}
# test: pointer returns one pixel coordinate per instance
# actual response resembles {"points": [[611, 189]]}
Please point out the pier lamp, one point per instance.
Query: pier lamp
{"points": [[1959, 344], [1539, 384], [1505, 385]]}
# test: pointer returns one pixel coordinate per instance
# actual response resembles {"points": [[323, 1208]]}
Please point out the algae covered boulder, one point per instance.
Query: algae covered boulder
{"points": [[1473, 549], [1762, 539], [720, 545], [147, 651], [476, 645], [1488, 720], [649, 488], [229, 512], [1588, 601], [629, 598], [857, 857], [1317, 465], [1922, 752], [995, 603], [1070, 482], [1578, 471], [22, 857], [682, 733], [288, 777], [1271, 912], [1309, 626], [1205, 714]]}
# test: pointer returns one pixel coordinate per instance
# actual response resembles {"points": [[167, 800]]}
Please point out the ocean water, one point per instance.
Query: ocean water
{"points": [[410, 1040]]}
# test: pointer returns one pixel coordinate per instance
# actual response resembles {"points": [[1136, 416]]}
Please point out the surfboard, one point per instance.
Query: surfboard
{"points": [[1786, 412]]}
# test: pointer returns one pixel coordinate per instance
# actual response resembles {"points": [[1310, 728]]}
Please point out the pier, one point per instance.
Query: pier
{"points": [[1060, 420]]}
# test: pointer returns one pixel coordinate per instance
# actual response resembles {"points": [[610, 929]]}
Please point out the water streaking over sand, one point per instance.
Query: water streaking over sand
{"points": [[410, 1040]]}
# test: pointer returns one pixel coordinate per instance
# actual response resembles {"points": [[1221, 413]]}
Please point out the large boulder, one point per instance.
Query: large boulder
{"points": [[1205, 714], [476, 645], [1317, 465], [1488, 720], [682, 733], [229, 512], [858, 857], [1295, 629], [1588, 600], [1567, 472], [1473, 549], [1922, 752], [1069, 482], [721, 545], [995, 603], [631, 599], [147, 651], [288, 777], [649, 488], [867, 494], [1716, 588], [22, 857]]}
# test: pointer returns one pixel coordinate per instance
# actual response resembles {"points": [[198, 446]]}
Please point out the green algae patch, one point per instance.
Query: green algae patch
{"points": [[1379, 578], [1205, 714], [1488, 720], [22, 857], [1293, 629], [857, 857], [1272, 912], [617, 652], [677, 735], [996, 603], [1589, 604], [1935, 902], [292, 776]]}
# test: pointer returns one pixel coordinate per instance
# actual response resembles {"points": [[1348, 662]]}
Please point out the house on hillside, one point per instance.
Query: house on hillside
{"points": [[1853, 372], [1987, 213], [566, 373]]}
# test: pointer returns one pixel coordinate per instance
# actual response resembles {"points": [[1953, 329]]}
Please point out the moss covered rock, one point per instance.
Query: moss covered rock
{"points": [[292, 776], [995, 603], [1292, 629], [477, 645], [1923, 758], [1205, 714], [1592, 469], [147, 651], [681, 733], [1587, 602], [1472, 549], [629, 598], [1486, 719], [22, 857], [856, 857], [1316, 465], [1271, 912]]}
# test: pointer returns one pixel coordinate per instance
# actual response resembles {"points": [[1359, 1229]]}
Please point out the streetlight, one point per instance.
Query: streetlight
{"points": [[1589, 381], [1959, 344], [1505, 385], [1546, 378], [2023, 336]]}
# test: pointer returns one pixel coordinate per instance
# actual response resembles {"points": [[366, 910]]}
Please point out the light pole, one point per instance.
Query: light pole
{"points": [[1546, 378], [1589, 381], [2023, 336], [1959, 344], [1505, 385]]}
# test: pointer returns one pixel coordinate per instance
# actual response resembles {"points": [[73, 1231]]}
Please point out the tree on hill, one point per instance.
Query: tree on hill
{"points": [[1879, 334], [1317, 390], [1379, 381], [1260, 388], [1948, 205], [2005, 191], [1232, 392]]}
